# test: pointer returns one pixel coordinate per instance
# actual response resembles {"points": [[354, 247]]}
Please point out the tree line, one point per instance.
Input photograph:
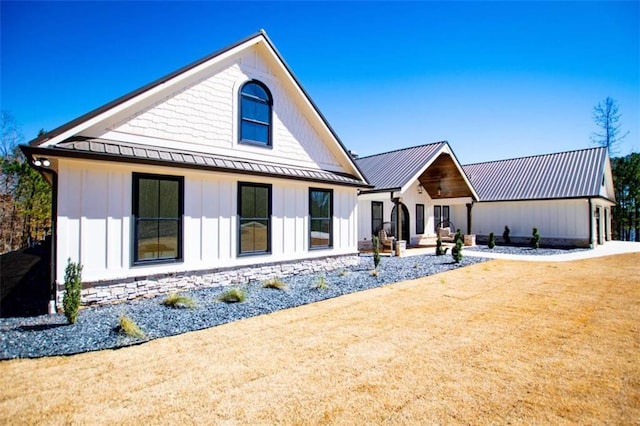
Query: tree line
{"points": [[25, 197], [626, 171]]}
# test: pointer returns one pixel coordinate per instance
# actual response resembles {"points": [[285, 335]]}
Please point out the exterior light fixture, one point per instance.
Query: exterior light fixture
{"points": [[420, 188], [439, 191], [41, 162]]}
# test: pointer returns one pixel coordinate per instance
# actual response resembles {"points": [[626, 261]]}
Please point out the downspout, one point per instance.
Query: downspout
{"points": [[590, 224], [53, 290]]}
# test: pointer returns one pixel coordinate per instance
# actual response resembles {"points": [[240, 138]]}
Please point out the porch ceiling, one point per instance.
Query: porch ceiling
{"points": [[442, 179]]}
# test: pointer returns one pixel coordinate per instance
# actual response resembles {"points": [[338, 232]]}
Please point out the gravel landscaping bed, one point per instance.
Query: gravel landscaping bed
{"points": [[525, 250], [96, 327]]}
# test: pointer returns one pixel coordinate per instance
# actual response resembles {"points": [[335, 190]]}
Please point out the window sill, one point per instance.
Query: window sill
{"points": [[155, 262], [255, 253], [255, 143]]}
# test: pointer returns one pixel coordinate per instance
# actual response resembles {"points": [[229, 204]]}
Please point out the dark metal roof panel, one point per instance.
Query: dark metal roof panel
{"points": [[571, 174], [391, 170], [113, 150]]}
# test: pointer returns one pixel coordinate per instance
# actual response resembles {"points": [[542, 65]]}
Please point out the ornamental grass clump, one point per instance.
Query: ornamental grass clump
{"points": [[274, 283], [129, 327], [72, 290], [321, 283], [492, 241], [175, 300], [233, 295]]}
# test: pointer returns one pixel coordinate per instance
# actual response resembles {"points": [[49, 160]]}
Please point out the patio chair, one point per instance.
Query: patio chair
{"points": [[446, 235], [385, 239]]}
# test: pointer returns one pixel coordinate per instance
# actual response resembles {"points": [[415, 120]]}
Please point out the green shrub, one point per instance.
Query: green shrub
{"points": [[129, 327], [439, 250], [374, 272], [376, 251], [343, 273], [174, 300], [492, 240], [72, 290], [535, 241], [321, 283], [505, 235], [456, 251], [275, 283], [458, 236], [233, 295]]}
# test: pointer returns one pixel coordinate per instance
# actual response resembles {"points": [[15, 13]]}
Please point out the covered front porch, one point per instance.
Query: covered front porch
{"points": [[422, 199]]}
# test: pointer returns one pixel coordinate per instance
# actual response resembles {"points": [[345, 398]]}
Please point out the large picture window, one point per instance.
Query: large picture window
{"points": [[321, 218], [377, 215], [419, 219], [255, 114], [254, 218], [157, 213]]}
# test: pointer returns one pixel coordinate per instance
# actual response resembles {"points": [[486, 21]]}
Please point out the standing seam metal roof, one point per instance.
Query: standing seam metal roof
{"points": [[572, 174], [117, 151], [392, 170]]}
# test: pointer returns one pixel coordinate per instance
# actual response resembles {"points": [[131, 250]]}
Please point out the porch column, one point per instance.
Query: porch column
{"points": [[396, 202], [469, 207]]}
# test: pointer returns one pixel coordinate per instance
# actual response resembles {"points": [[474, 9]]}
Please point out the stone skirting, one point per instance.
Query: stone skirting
{"points": [[114, 291]]}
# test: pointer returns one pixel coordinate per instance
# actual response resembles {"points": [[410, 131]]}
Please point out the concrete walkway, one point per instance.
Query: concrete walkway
{"points": [[608, 249]]}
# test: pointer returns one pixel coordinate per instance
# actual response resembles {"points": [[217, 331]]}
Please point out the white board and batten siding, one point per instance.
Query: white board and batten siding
{"points": [[95, 220], [554, 218]]}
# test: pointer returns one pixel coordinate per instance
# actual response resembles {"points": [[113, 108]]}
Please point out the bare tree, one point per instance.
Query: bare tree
{"points": [[607, 118], [11, 134]]}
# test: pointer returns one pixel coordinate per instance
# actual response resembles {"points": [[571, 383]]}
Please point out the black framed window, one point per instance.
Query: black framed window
{"points": [[419, 218], [320, 218], [254, 218], [255, 113], [377, 216], [157, 212]]}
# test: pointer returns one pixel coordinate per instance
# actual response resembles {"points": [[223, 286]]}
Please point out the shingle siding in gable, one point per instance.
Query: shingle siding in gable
{"points": [[204, 117], [572, 174]]}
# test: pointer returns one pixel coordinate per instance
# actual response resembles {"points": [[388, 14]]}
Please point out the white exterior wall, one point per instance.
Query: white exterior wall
{"points": [[554, 218], [95, 224], [203, 117]]}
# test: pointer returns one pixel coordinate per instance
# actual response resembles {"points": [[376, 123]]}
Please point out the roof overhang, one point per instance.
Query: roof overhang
{"points": [[443, 177], [111, 151]]}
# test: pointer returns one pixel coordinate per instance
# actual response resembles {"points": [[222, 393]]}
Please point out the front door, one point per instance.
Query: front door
{"points": [[404, 223]]}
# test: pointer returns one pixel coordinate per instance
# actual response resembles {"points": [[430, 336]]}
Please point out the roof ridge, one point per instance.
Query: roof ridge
{"points": [[535, 156], [142, 89], [403, 149]]}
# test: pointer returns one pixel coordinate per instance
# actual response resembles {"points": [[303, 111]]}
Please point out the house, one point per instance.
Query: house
{"points": [[224, 171], [567, 195], [418, 190]]}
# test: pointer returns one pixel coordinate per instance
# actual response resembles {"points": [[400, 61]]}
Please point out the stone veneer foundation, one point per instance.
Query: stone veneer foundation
{"points": [[115, 291]]}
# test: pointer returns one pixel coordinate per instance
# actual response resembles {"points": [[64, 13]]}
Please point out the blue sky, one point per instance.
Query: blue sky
{"points": [[495, 79]]}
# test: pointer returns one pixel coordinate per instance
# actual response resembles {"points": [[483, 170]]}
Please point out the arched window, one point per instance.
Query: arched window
{"points": [[255, 113]]}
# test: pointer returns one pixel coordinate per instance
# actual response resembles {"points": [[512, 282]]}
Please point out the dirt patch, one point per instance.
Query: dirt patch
{"points": [[502, 341]]}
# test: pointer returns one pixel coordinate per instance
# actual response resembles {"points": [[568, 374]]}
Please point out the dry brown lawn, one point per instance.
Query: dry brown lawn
{"points": [[499, 342]]}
